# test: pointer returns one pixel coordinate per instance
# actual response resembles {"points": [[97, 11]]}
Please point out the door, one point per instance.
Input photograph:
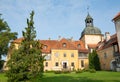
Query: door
{"points": [[65, 65]]}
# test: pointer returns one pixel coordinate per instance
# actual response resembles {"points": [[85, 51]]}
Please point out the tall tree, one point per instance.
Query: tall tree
{"points": [[5, 37], [26, 62], [94, 62]]}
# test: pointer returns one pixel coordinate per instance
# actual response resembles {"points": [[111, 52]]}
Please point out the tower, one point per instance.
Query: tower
{"points": [[89, 21], [90, 35]]}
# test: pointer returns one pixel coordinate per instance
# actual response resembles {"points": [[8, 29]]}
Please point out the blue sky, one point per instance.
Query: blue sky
{"points": [[63, 18]]}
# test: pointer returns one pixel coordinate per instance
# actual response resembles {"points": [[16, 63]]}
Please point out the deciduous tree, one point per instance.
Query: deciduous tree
{"points": [[5, 37]]}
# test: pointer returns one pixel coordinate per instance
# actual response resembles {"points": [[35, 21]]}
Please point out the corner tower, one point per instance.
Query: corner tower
{"points": [[90, 35]]}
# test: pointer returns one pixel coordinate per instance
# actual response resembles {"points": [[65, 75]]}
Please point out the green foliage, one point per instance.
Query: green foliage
{"points": [[26, 62], [92, 70], [1, 63], [79, 71], [58, 72], [64, 71], [5, 37], [94, 61]]}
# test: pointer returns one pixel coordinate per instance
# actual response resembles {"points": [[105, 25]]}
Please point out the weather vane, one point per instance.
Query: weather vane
{"points": [[88, 9]]}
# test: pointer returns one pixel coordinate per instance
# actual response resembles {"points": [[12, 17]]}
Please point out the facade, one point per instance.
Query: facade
{"points": [[108, 51], [116, 20], [61, 54]]}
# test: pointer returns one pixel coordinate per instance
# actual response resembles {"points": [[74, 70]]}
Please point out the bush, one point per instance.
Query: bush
{"points": [[66, 71], [57, 72], [79, 71], [92, 70], [85, 70]]}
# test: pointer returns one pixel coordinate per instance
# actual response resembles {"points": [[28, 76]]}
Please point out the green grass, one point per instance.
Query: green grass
{"points": [[99, 76], [3, 78]]}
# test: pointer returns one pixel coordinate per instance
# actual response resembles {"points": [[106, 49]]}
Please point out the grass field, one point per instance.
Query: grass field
{"points": [[100, 76]]}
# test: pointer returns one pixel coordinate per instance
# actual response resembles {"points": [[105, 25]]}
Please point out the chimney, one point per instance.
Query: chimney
{"points": [[71, 38], [49, 38], [107, 36], [102, 38]]}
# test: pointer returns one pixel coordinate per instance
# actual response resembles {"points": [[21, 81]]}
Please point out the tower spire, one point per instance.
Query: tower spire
{"points": [[88, 9], [89, 19]]}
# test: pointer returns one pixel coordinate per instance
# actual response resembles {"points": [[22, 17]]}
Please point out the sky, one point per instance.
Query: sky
{"points": [[65, 18]]}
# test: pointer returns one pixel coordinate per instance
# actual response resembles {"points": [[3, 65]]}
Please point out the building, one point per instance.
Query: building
{"points": [[68, 53], [64, 54], [73, 54], [108, 51], [61, 54], [116, 20], [91, 35]]}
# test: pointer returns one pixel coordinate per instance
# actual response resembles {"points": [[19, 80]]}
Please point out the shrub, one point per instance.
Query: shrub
{"points": [[66, 71], [92, 70], [58, 72], [79, 71]]}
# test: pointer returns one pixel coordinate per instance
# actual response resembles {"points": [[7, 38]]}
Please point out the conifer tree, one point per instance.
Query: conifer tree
{"points": [[94, 61], [26, 62], [5, 37]]}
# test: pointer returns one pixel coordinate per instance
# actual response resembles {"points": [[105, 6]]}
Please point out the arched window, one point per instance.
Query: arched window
{"points": [[64, 44], [45, 47]]}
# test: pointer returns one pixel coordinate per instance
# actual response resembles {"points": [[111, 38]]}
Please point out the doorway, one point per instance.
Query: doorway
{"points": [[64, 65]]}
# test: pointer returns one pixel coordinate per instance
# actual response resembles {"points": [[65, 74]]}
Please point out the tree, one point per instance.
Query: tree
{"points": [[5, 37], [26, 62], [94, 61]]}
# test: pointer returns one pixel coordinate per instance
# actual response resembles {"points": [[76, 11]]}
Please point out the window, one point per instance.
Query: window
{"points": [[78, 45], [46, 64], [82, 55], [105, 55], [72, 55], [56, 54], [72, 64], [45, 47], [64, 44], [82, 63], [47, 56], [64, 55], [56, 64]]}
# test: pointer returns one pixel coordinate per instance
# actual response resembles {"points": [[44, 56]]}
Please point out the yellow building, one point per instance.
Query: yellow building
{"points": [[61, 54], [64, 54]]}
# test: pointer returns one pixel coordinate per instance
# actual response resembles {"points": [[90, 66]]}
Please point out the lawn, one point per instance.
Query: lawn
{"points": [[100, 76]]}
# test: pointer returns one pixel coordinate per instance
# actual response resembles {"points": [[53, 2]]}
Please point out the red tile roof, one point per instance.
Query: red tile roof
{"points": [[48, 45], [19, 40], [117, 16], [109, 43]]}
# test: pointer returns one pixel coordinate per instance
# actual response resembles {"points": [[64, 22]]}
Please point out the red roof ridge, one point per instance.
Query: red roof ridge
{"points": [[118, 15]]}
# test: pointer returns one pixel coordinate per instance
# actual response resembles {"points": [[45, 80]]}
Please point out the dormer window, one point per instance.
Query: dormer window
{"points": [[78, 45], [64, 44], [45, 47]]}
